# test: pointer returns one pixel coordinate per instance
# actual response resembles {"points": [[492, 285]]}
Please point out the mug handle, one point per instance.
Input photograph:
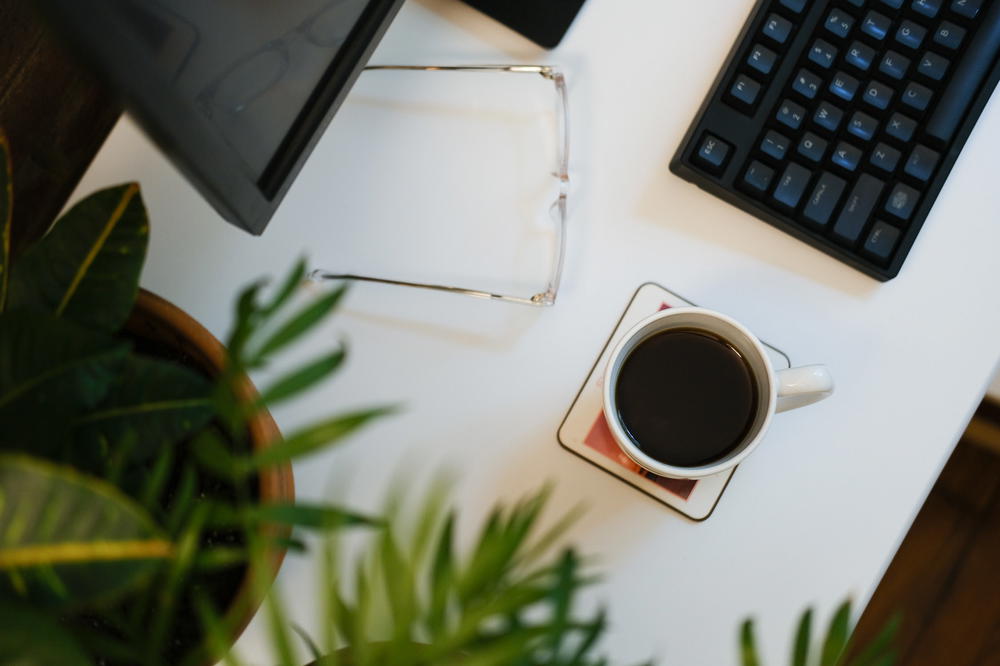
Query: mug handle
{"points": [[801, 386]]}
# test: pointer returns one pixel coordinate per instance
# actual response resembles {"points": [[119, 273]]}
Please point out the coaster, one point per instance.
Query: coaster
{"points": [[585, 431]]}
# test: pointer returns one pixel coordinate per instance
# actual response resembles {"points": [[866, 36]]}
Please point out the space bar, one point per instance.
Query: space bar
{"points": [[968, 76]]}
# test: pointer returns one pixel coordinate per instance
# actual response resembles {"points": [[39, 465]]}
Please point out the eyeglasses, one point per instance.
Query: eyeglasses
{"points": [[557, 210]]}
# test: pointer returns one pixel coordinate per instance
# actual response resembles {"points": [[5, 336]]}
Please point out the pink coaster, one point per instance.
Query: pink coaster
{"points": [[585, 431]]}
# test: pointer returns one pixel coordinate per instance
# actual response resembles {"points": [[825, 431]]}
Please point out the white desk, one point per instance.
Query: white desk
{"points": [[813, 516]]}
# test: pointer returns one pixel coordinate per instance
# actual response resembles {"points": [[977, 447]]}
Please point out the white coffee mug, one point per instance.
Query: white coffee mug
{"points": [[777, 391]]}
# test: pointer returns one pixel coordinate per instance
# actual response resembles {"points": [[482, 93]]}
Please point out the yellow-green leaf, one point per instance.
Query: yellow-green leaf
{"points": [[157, 402], [68, 539], [87, 267]]}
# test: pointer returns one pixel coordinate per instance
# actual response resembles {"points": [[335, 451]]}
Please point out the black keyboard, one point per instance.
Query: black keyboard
{"points": [[839, 120]]}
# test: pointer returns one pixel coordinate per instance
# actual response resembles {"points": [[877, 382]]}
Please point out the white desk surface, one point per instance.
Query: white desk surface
{"points": [[813, 516]]}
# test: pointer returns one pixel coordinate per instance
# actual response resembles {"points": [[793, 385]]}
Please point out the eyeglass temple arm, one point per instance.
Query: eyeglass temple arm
{"points": [[544, 298]]}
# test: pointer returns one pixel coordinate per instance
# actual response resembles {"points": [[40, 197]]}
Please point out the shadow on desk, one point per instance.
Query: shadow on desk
{"points": [[681, 206]]}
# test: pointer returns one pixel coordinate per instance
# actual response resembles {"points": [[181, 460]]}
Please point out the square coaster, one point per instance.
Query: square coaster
{"points": [[585, 431]]}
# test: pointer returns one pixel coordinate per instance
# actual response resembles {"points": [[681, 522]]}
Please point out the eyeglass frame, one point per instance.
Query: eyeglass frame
{"points": [[557, 210]]}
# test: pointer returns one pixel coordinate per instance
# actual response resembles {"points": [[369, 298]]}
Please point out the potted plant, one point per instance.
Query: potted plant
{"points": [[140, 472], [413, 598]]}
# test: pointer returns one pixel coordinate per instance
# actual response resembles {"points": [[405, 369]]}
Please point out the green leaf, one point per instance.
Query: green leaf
{"points": [[158, 401], [748, 645], [442, 573], [213, 455], [217, 634], [300, 323], [310, 643], [589, 637], [287, 288], [313, 438], [398, 581], [87, 267], [69, 539], [836, 636], [50, 372], [277, 622], [31, 638], [315, 516], [170, 591], [880, 652], [6, 216], [499, 547], [561, 598], [302, 378], [246, 316], [800, 649]]}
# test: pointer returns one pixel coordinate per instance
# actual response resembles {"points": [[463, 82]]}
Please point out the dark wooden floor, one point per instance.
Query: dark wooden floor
{"points": [[945, 579]]}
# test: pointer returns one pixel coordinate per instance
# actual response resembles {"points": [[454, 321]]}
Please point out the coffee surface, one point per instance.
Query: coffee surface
{"points": [[686, 397]]}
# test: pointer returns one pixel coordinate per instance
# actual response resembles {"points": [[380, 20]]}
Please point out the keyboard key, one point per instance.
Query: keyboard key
{"points": [[819, 207], [901, 127], [878, 95], [828, 116], [966, 8], [775, 145], [910, 34], [762, 59], [795, 5], [928, 8], [885, 157], [859, 205], [777, 28], [862, 126], [745, 89], [807, 84], [758, 176], [839, 22], [902, 201], [846, 156], [881, 241], [791, 114], [933, 65], [823, 53], [713, 152], [894, 64], [791, 185], [895, 4], [916, 96], [876, 25], [949, 35], [812, 147], [860, 55], [844, 86], [967, 76], [922, 162]]}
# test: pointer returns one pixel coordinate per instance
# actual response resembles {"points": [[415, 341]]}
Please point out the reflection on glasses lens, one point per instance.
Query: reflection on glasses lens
{"points": [[330, 27], [249, 80]]}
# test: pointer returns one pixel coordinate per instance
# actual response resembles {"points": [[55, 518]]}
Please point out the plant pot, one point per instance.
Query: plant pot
{"points": [[160, 321]]}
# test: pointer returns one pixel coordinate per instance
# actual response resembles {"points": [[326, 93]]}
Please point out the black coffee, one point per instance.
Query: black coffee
{"points": [[686, 397]]}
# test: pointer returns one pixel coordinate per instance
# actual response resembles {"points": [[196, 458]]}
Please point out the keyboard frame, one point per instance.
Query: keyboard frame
{"points": [[741, 131]]}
